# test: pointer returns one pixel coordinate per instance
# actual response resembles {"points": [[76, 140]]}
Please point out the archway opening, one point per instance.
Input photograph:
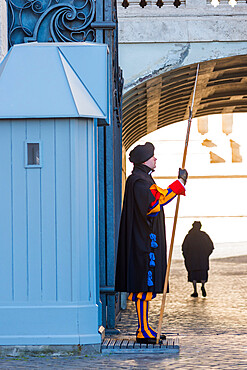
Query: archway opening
{"points": [[159, 108], [216, 162]]}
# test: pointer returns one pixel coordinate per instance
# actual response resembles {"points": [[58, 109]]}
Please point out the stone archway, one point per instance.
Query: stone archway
{"points": [[166, 98]]}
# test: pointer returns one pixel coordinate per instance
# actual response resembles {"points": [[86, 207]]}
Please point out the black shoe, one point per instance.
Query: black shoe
{"points": [[147, 341], [194, 295], [204, 294]]}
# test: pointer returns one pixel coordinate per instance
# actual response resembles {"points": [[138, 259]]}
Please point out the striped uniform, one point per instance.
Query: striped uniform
{"points": [[141, 299]]}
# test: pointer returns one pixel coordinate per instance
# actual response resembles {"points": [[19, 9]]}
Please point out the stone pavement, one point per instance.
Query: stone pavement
{"points": [[212, 330]]}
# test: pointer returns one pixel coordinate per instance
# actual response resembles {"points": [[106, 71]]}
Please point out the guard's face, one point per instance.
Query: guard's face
{"points": [[151, 162]]}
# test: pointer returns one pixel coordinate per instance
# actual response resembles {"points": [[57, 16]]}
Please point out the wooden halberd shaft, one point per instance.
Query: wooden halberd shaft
{"points": [[176, 215]]}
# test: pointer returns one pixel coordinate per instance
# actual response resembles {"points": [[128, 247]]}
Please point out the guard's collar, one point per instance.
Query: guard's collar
{"points": [[143, 168]]}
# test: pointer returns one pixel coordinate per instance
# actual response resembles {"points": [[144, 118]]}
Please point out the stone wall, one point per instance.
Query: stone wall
{"points": [[3, 29], [195, 21], [155, 40]]}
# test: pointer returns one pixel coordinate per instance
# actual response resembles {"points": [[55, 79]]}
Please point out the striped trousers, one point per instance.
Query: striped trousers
{"points": [[141, 301]]}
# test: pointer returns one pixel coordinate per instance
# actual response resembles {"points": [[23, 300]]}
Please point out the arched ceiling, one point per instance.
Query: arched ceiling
{"points": [[165, 99]]}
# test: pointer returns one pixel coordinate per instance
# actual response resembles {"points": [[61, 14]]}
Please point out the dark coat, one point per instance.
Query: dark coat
{"points": [[197, 247], [134, 246]]}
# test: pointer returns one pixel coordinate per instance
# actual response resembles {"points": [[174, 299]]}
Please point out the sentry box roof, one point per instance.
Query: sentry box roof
{"points": [[51, 80]]}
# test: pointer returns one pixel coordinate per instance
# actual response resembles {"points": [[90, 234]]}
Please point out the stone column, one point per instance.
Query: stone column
{"points": [[3, 29]]}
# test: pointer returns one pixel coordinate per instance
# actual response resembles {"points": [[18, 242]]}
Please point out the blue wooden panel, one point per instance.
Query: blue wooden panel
{"points": [[68, 94], [97, 267], [48, 212], [33, 176], [96, 83], [85, 328], [76, 165], [83, 208], [37, 325], [84, 215], [102, 218], [20, 246], [54, 235], [63, 209], [6, 212], [91, 179], [34, 99]]}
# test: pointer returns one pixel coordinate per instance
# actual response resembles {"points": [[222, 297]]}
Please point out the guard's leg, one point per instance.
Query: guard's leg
{"points": [[194, 294], [143, 331], [204, 294], [142, 305], [141, 301]]}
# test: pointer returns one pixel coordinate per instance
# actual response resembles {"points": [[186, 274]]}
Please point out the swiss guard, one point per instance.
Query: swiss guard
{"points": [[141, 258]]}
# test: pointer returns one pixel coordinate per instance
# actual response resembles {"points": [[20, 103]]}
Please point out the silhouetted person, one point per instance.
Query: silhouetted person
{"points": [[197, 247]]}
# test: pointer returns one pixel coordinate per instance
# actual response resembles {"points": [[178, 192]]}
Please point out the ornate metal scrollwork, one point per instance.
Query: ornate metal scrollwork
{"points": [[50, 20], [118, 80]]}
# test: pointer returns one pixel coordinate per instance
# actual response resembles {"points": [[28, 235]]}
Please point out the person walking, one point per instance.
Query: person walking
{"points": [[141, 257], [197, 247]]}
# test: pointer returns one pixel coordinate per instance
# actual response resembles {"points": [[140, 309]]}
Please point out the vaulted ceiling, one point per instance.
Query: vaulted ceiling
{"points": [[166, 99]]}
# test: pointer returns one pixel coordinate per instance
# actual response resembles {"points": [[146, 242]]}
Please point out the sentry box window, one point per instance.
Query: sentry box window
{"points": [[33, 151]]}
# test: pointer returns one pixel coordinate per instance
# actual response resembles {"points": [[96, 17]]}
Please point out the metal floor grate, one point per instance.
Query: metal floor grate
{"points": [[129, 345]]}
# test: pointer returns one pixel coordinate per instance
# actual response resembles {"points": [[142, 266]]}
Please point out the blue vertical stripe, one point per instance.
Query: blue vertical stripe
{"points": [[88, 192], [41, 218], [150, 329], [12, 212], [48, 196], [147, 313], [70, 211], [55, 178], [27, 220], [142, 305], [33, 217]]}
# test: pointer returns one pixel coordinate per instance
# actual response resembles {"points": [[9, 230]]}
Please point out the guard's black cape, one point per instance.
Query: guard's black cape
{"points": [[197, 247], [134, 243]]}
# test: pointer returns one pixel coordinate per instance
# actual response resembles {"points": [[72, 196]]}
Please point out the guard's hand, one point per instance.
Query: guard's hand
{"points": [[183, 175]]}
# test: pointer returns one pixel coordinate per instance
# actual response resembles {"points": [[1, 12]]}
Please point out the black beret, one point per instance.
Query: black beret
{"points": [[141, 153]]}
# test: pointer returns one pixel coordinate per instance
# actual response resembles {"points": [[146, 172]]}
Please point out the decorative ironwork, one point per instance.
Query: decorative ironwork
{"points": [[125, 4], [118, 80], [143, 3], [160, 3], [177, 3], [50, 20]]}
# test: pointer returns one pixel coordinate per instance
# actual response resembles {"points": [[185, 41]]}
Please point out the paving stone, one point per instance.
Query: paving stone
{"points": [[212, 330]]}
